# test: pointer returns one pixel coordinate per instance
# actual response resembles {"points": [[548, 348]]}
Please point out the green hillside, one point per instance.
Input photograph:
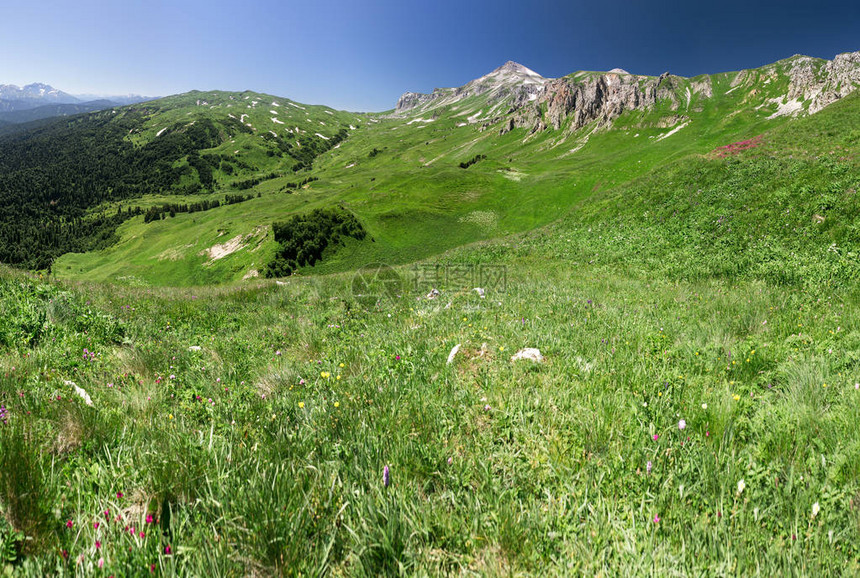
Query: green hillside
{"points": [[401, 175], [692, 292]]}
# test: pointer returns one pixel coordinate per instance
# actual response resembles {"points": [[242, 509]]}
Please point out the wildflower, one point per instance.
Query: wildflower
{"points": [[101, 562], [648, 467], [340, 365], [397, 357], [450, 461], [741, 486], [736, 397], [386, 476], [655, 437], [301, 404], [98, 545], [278, 352], [69, 524], [682, 424], [149, 519], [815, 509], [167, 550], [487, 407], [704, 406], [656, 519], [337, 404], [95, 525], [119, 494]]}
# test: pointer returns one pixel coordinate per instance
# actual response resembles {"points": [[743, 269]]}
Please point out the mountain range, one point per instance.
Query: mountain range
{"points": [[506, 153], [40, 101]]}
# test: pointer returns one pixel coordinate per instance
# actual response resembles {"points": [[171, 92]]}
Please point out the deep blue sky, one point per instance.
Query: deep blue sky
{"points": [[362, 54]]}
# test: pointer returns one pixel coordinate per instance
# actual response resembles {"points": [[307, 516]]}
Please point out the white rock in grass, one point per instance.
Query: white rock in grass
{"points": [[479, 291], [195, 348], [451, 355], [529, 353], [434, 293], [80, 391]]}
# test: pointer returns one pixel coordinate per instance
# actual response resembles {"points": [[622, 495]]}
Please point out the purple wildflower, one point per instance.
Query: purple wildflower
{"points": [[386, 476]]}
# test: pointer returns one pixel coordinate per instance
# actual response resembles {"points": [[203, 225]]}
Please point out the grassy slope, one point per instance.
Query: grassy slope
{"points": [[412, 197], [262, 452]]}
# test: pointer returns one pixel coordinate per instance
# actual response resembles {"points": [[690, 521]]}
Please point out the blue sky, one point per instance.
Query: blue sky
{"points": [[361, 55]]}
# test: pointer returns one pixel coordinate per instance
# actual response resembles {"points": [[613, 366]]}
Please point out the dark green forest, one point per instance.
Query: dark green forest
{"points": [[303, 238], [52, 176]]}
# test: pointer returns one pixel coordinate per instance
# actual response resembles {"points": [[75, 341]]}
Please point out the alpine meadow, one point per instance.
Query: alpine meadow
{"points": [[605, 324]]}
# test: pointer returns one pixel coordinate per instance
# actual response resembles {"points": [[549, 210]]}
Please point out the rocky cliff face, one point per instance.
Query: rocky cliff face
{"points": [[522, 98], [822, 85]]}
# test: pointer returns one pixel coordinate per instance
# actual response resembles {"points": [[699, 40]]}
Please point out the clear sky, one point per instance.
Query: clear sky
{"points": [[362, 54]]}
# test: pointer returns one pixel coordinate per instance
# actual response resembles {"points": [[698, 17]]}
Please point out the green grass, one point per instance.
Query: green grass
{"points": [[412, 196], [262, 452], [246, 426]]}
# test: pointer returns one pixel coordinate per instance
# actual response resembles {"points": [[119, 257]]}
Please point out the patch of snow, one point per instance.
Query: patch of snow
{"points": [[788, 108], [275, 103], [242, 119], [673, 131], [161, 132], [462, 124], [231, 115], [276, 121], [321, 136], [273, 111], [732, 89], [422, 120], [689, 97], [349, 166], [297, 106], [329, 112], [351, 127], [513, 175]]}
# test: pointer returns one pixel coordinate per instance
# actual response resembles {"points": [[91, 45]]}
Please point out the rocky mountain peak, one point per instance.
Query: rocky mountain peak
{"points": [[511, 82]]}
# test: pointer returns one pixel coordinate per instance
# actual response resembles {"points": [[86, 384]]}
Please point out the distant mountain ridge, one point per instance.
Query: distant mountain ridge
{"points": [[523, 98], [13, 97], [52, 102]]}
